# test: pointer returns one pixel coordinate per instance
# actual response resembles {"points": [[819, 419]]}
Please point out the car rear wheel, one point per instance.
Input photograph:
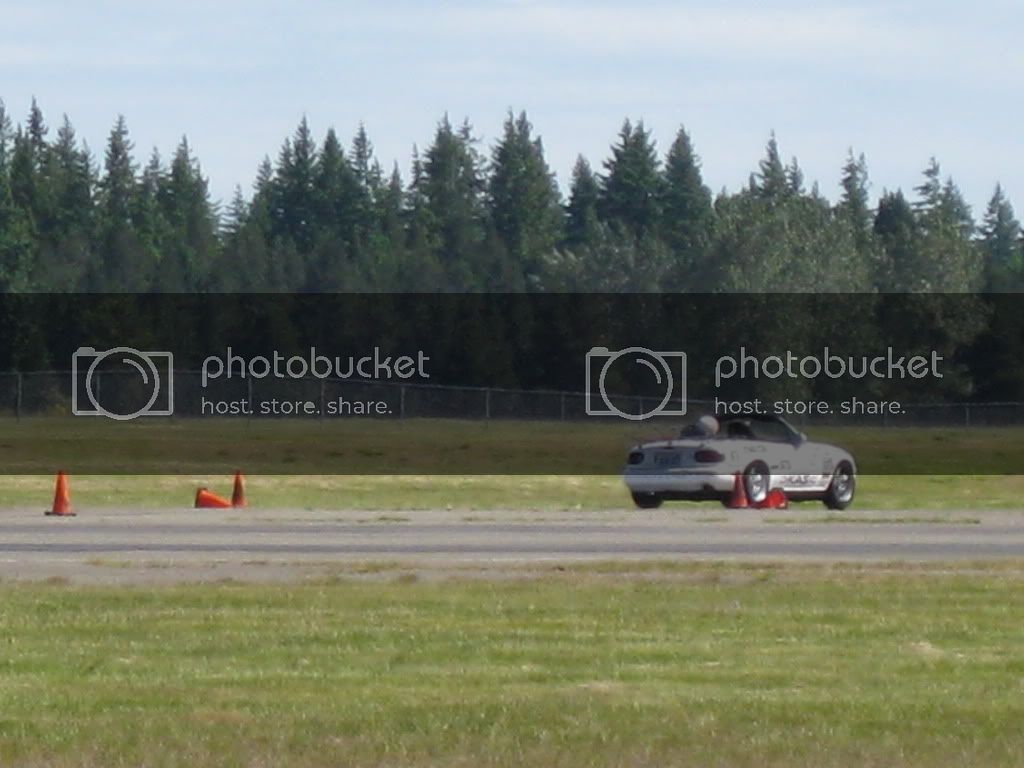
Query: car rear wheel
{"points": [[757, 481], [647, 500], [842, 488]]}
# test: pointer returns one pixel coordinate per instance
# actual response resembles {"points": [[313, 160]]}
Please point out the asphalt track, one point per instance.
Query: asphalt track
{"points": [[130, 545]]}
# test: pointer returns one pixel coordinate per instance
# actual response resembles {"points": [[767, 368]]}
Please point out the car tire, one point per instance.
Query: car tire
{"points": [[757, 482], [647, 500], [842, 488]]}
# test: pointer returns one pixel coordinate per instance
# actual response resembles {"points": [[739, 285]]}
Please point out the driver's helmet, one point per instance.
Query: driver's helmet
{"points": [[707, 425]]}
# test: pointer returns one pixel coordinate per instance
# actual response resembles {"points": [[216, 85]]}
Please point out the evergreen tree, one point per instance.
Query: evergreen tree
{"points": [[189, 247], [367, 169], [896, 228], [124, 262], [584, 194], [342, 202], [294, 210], [794, 178], [853, 206], [687, 213], [390, 207], [236, 215], [451, 187], [16, 236], [949, 261], [1001, 233], [524, 204], [772, 182], [631, 189], [66, 242]]}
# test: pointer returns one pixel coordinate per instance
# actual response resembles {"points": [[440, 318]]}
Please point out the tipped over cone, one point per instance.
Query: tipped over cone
{"points": [[776, 499], [238, 495], [61, 498], [739, 499], [207, 499]]}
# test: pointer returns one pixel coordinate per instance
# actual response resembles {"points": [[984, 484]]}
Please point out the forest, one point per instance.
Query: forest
{"points": [[325, 216]]}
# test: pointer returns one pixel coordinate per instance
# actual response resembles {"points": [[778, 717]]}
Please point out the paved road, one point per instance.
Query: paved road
{"points": [[234, 542]]}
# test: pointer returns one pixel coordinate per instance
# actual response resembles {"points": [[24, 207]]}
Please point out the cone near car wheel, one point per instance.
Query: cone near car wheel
{"points": [[842, 488]]}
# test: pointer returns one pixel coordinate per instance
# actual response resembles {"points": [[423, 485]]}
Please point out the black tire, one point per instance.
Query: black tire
{"points": [[647, 499], [757, 481], [841, 490]]}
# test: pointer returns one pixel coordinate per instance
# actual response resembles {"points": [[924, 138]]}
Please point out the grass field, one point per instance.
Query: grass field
{"points": [[430, 464], [482, 492], [441, 447], [607, 666], [486, 492]]}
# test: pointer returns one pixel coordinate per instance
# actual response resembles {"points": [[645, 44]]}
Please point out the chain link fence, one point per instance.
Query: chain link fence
{"points": [[50, 393]]}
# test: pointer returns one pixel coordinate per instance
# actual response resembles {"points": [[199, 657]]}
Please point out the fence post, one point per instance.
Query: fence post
{"points": [[323, 401], [401, 401], [17, 399], [248, 386], [561, 406], [967, 414], [487, 404]]}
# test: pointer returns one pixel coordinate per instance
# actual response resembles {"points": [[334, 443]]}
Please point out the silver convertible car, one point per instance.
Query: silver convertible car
{"points": [[766, 451]]}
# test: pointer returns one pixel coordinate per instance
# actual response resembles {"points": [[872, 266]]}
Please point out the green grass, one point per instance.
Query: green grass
{"points": [[478, 492], [686, 665], [440, 446]]}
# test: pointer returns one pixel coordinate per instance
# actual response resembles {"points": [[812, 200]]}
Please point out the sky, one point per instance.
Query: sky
{"points": [[899, 80]]}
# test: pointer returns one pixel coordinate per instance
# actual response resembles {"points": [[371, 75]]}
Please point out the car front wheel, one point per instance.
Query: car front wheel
{"points": [[842, 488]]}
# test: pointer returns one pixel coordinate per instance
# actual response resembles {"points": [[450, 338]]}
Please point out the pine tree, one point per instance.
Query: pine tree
{"points": [[294, 209], [188, 247], [929, 191], [342, 202], [125, 263], [949, 261], [16, 237], [1001, 233], [236, 215], [523, 200], [390, 209], [631, 189], [584, 194], [37, 131], [854, 205], [896, 228], [117, 187], [367, 169], [451, 187], [771, 182], [794, 178], [687, 213]]}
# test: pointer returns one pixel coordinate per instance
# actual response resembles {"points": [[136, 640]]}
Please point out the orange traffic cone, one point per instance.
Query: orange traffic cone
{"points": [[61, 498], [739, 500], [206, 499], [776, 499], [238, 495]]}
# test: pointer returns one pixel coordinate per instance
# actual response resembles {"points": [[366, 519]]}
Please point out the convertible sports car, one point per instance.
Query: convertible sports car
{"points": [[701, 464]]}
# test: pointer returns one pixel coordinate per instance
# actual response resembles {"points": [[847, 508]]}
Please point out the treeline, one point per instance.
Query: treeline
{"points": [[327, 217]]}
